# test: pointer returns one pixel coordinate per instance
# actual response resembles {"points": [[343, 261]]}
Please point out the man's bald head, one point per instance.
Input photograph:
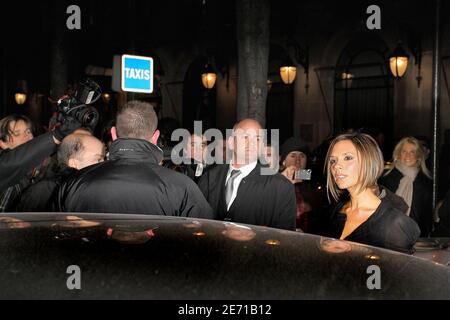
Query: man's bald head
{"points": [[247, 124], [83, 130], [80, 150]]}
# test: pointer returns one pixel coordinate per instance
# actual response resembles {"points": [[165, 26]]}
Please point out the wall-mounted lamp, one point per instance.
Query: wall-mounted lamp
{"points": [[398, 62], [106, 97], [209, 77], [288, 72], [20, 98], [300, 56], [21, 92]]}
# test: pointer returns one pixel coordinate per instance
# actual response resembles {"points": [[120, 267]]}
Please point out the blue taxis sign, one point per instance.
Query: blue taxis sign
{"points": [[137, 74]]}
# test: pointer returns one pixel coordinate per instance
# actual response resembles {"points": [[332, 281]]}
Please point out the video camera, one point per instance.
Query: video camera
{"points": [[78, 104]]}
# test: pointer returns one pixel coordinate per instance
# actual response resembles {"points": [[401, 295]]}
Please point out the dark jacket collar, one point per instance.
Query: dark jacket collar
{"points": [[255, 173], [137, 149]]}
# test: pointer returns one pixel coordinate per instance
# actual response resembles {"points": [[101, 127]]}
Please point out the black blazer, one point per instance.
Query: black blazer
{"points": [[266, 200], [421, 205]]}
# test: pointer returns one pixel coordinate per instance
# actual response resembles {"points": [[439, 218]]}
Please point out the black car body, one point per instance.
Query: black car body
{"points": [[157, 257]]}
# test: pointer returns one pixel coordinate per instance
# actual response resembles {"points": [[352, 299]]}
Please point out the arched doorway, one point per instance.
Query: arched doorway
{"points": [[363, 88]]}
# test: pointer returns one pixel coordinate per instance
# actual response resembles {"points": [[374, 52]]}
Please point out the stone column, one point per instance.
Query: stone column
{"points": [[253, 18]]}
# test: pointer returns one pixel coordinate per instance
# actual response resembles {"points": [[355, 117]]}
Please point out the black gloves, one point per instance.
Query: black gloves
{"points": [[68, 124]]}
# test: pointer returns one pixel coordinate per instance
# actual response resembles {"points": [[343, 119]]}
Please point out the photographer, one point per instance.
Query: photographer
{"points": [[20, 153], [294, 159]]}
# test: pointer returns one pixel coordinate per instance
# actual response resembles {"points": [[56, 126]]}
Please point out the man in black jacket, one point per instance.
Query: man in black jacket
{"points": [[132, 181], [241, 192]]}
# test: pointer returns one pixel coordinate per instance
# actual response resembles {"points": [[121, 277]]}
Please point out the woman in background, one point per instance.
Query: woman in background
{"points": [[409, 177]]}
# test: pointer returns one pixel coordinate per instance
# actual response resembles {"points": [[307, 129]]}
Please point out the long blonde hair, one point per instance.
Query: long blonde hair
{"points": [[420, 154]]}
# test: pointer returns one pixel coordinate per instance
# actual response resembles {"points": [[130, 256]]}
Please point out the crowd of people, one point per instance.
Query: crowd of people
{"points": [[362, 196]]}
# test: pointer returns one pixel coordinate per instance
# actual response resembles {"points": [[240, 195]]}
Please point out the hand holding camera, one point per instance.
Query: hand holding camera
{"points": [[302, 174], [78, 104], [68, 124], [296, 176], [74, 110]]}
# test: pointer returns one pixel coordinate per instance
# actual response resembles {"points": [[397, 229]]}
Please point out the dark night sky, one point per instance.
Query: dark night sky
{"points": [[109, 28], [113, 27]]}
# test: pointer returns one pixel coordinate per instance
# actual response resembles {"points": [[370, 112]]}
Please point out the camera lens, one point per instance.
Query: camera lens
{"points": [[87, 116]]}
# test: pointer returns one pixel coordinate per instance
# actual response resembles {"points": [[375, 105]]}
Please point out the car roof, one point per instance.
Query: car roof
{"points": [[159, 257]]}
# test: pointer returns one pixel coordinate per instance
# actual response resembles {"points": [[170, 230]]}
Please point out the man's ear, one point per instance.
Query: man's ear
{"points": [[72, 163], [114, 133], [230, 143], [155, 137]]}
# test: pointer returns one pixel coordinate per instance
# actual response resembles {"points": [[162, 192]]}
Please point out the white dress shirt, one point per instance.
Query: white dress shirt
{"points": [[245, 171]]}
